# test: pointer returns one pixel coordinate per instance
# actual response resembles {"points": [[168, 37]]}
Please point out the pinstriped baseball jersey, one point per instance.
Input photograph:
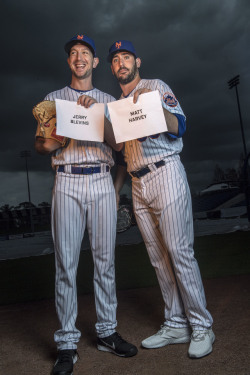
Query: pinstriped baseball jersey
{"points": [[82, 152], [141, 152]]}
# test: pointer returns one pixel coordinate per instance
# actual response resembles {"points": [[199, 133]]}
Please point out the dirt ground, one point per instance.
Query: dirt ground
{"points": [[27, 329]]}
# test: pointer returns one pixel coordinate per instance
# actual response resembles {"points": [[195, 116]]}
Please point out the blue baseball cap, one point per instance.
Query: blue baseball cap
{"points": [[81, 38], [121, 45]]}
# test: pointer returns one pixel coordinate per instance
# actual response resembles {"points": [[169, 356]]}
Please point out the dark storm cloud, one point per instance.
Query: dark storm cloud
{"points": [[195, 46]]}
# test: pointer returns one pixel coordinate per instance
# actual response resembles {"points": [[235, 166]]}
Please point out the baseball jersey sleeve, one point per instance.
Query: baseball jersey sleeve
{"points": [[171, 104], [169, 100]]}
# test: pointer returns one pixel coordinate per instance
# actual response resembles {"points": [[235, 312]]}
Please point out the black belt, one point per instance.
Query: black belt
{"points": [[144, 171], [82, 170]]}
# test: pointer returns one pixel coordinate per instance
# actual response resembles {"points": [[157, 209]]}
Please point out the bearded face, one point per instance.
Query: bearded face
{"points": [[125, 67], [125, 75]]}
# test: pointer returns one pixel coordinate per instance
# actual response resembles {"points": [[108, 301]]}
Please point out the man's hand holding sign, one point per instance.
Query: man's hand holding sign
{"points": [[133, 117], [87, 102], [89, 119], [78, 122], [171, 120]]}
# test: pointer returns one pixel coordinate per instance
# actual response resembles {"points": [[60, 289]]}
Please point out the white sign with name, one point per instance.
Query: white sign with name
{"points": [[136, 120], [77, 122]]}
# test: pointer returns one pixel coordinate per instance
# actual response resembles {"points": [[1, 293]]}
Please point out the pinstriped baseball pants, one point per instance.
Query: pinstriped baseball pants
{"points": [[163, 210], [80, 200]]}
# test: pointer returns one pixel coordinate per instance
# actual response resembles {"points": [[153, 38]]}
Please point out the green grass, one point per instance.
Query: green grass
{"points": [[32, 278]]}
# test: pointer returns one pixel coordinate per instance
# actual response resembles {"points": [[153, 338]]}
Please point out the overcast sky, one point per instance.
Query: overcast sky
{"points": [[195, 46]]}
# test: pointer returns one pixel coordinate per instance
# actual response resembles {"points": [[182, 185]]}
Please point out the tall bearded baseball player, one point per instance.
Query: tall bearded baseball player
{"points": [[83, 195], [162, 206]]}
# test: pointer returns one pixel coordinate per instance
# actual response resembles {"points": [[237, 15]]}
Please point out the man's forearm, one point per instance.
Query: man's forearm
{"points": [[45, 146], [110, 137], [172, 122]]}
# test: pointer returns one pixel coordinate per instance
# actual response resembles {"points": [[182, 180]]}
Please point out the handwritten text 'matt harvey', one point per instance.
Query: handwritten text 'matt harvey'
{"points": [[136, 115]]}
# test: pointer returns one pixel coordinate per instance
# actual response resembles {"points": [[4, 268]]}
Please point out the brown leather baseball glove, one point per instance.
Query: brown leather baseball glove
{"points": [[45, 114]]}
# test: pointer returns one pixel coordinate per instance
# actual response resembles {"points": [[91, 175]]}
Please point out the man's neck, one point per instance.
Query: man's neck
{"points": [[81, 84], [127, 88]]}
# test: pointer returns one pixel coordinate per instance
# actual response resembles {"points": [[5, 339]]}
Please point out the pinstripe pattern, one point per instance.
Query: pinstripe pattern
{"points": [[82, 152], [139, 154], [80, 201], [163, 210]]}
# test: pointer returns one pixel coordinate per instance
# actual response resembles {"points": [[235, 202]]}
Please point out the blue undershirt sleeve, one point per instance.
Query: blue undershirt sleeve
{"points": [[181, 126]]}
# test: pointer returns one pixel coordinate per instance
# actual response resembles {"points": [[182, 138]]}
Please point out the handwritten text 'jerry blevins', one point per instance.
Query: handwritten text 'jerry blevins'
{"points": [[80, 120]]}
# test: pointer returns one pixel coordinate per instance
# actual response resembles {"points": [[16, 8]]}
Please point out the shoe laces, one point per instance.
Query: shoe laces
{"points": [[199, 335], [118, 339], [162, 330]]}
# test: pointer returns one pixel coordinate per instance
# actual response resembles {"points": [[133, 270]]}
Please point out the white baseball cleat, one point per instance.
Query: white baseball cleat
{"points": [[166, 336], [201, 343]]}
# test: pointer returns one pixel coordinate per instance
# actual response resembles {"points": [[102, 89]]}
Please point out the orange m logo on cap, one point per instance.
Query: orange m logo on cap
{"points": [[80, 37], [118, 45]]}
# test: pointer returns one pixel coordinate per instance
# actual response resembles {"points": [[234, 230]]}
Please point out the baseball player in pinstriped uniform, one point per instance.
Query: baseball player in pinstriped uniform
{"points": [[83, 195], [163, 210]]}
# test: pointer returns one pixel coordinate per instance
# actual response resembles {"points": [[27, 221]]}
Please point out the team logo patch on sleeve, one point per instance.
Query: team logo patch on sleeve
{"points": [[169, 99]]}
